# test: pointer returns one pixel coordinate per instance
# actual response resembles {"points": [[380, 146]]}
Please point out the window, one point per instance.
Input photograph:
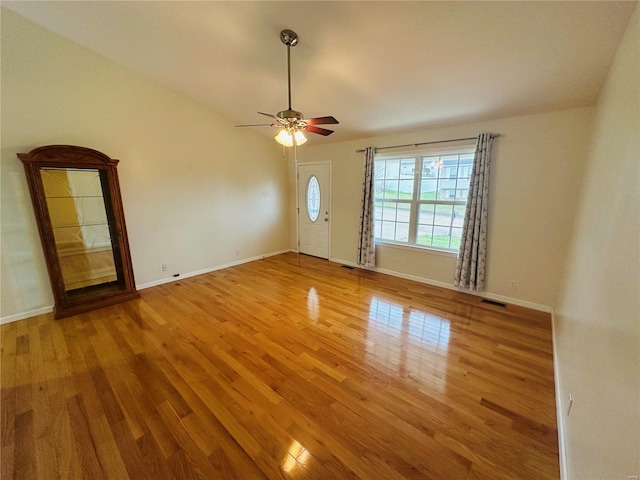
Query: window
{"points": [[424, 209], [313, 198]]}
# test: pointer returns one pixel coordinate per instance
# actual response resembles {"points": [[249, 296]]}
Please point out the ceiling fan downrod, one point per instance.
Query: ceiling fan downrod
{"points": [[290, 39]]}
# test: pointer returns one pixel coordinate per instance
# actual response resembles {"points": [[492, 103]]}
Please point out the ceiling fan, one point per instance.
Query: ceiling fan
{"points": [[291, 122]]}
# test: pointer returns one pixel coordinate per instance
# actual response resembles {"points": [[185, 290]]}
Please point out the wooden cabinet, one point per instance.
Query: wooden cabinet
{"points": [[78, 207]]}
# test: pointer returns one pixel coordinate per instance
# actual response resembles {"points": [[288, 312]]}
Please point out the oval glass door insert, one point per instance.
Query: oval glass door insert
{"points": [[313, 198]]}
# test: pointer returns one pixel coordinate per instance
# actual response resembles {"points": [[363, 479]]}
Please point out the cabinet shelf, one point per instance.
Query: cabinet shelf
{"points": [[78, 225], [74, 196], [75, 251]]}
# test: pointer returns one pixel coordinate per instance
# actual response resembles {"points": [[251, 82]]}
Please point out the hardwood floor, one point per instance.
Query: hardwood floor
{"points": [[288, 367]]}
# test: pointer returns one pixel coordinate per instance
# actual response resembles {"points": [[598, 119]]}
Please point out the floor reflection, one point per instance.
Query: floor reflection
{"points": [[411, 342], [297, 456], [313, 304]]}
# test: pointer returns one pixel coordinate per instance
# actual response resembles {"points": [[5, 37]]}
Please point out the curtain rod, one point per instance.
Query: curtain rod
{"points": [[427, 143]]}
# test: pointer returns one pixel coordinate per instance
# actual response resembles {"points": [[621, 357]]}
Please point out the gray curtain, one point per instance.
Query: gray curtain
{"points": [[470, 269], [366, 245]]}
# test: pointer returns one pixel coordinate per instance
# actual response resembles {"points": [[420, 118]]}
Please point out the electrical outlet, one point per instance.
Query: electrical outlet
{"points": [[513, 285], [164, 267]]}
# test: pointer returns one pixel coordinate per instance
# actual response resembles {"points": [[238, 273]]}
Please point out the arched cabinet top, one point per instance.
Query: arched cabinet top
{"points": [[68, 156]]}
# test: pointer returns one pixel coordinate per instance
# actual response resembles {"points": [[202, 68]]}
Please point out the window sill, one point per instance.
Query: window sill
{"points": [[414, 248]]}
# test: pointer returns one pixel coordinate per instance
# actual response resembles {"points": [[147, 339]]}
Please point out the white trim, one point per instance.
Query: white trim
{"points": [[463, 147], [162, 281], [23, 315], [142, 286], [449, 286], [182, 276], [297, 180], [562, 442], [416, 248]]}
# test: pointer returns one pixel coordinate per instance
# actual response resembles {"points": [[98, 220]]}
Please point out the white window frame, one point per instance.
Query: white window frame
{"points": [[418, 155]]}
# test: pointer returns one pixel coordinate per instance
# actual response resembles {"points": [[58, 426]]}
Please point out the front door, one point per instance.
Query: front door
{"points": [[314, 194]]}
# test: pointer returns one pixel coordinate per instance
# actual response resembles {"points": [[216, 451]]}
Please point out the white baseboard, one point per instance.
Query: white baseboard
{"points": [[162, 281], [142, 286], [182, 276], [23, 315], [562, 445], [449, 286]]}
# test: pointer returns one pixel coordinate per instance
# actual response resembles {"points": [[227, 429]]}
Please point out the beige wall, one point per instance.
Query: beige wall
{"points": [[598, 313], [536, 173], [194, 189]]}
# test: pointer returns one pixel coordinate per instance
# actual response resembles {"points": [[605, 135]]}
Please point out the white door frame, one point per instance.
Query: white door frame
{"points": [[298, 164]]}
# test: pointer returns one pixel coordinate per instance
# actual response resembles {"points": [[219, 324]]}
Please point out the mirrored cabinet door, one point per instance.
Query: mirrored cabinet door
{"points": [[76, 198], [80, 226]]}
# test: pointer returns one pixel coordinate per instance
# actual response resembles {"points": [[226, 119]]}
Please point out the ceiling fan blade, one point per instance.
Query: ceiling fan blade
{"points": [[258, 125], [268, 115], [318, 130], [321, 121]]}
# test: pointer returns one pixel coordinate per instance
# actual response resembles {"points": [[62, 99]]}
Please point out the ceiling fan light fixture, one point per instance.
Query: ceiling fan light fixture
{"points": [[290, 137], [299, 138], [283, 137]]}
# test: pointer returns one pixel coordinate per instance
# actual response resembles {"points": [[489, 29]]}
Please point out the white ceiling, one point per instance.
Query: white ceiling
{"points": [[378, 67]]}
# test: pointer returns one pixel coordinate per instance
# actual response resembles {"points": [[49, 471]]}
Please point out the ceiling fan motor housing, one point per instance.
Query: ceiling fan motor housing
{"points": [[290, 115]]}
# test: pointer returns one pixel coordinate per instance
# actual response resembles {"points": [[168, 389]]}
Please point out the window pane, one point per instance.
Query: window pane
{"points": [[378, 188], [463, 183], [446, 190], [441, 237], [429, 168], [431, 165], [406, 189], [458, 215], [426, 214], [456, 234], [407, 167], [377, 228], [466, 160], [392, 169], [377, 210], [402, 232], [389, 212], [424, 235], [462, 195], [404, 212], [428, 189], [391, 189], [388, 230], [313, 198], [444, 215], [463, 190]]}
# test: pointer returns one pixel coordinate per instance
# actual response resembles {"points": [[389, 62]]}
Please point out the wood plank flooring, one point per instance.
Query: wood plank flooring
{"points": [[285, 368]]}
